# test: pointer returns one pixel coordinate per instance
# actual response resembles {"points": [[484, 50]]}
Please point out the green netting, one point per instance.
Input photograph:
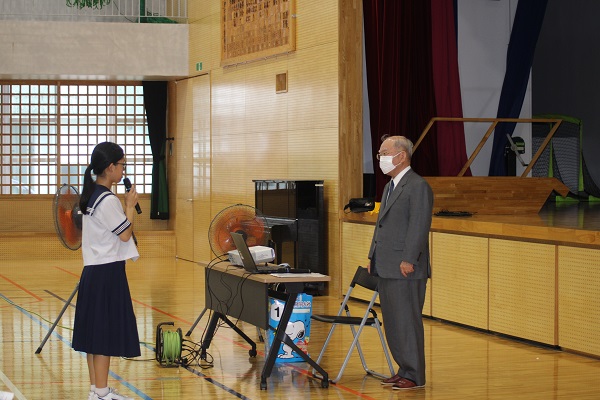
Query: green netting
{"points": [[563, 157]]}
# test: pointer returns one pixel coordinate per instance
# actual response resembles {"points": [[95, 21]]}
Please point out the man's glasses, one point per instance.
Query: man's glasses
{"points": [[378, 156]]}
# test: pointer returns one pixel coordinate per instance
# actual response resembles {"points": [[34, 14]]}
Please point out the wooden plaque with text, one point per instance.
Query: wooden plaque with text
{"points": [[254, 29]]}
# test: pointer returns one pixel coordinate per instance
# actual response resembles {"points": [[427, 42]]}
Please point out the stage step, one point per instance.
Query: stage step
{"points": [[500, 195]]}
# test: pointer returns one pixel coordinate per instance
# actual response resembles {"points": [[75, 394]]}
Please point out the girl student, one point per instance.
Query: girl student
{"points": [[105, 324]]}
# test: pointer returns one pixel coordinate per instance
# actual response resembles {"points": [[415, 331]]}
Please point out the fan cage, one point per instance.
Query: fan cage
{"points": [[67, 218], [239, 218]]}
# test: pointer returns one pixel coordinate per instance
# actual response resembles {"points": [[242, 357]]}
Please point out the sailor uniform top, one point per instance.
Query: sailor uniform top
{"points": [[103, 222]]}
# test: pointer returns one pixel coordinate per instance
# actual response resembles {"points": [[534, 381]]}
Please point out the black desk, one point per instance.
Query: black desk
{"points": [[230, 291]]}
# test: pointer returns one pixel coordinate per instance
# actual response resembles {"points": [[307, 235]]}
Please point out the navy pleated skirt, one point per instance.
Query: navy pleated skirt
{"points": [[104, 319]]}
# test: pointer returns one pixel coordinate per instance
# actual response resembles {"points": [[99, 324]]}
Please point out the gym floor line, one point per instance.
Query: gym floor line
{"points": [[123, 380]]}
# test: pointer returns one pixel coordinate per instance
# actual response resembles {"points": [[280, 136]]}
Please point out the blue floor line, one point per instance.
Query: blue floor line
{"points": [[64, 340], [117, 377], [217, 384]]}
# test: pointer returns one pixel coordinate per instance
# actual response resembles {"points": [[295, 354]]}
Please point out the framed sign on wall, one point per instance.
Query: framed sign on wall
{"points": [[255, 29]]}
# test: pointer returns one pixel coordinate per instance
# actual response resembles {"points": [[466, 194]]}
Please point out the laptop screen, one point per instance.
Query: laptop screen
{"points": [[242, 248]]}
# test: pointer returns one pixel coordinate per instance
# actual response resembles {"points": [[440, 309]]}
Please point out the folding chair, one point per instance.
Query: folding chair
{"points": [[362, 279]]}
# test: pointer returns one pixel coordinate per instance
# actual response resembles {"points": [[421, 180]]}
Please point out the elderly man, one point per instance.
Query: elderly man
{"points": [[399, 255]]}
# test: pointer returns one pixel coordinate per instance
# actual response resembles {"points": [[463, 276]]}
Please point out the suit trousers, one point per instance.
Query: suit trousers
{"points": [[401, 307]]}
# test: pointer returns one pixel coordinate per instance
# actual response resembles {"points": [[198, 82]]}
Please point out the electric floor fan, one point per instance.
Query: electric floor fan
{"points": [[67, 222], [240, 218]]}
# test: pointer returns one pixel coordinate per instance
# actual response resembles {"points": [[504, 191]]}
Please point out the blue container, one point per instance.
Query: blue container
{"points": [[298, 328]]}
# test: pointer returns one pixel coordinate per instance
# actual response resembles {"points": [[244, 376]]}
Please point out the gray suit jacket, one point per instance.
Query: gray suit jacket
{"points": [[402, 229]]}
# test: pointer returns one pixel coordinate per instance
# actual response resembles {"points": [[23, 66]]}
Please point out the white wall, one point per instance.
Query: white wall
{"points": [[484, 28], [92, 50]]}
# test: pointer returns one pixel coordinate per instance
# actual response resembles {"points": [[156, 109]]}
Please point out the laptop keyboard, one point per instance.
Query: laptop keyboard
{"points": [[284, 270]]}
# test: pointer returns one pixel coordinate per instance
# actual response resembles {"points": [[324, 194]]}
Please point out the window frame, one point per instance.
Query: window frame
{"points": [[61, 118]]}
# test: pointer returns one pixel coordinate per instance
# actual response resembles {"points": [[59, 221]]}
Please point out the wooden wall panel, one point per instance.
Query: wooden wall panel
{"points": [[230, 171], [313, 88], [579, 299], [172, 131], [20, 214], [351, 95], [201, 165], [47, 246], [350, 114], [523, 290], [35, 246], [153, 244], [205, 36], [198, 10], [460, 279], [355, 252], [334, 254], [184, 187], [546, 293], [316, 23], [257, 133], [266, 110], [267, 156], [307, 161], [428, 303], [36, 215]]}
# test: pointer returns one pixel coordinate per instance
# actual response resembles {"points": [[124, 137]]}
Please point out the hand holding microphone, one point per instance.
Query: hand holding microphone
{"points": [[127, 184]]}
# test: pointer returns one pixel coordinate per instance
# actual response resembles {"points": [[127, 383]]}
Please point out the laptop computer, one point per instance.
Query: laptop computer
{"points": [[249, 264]]}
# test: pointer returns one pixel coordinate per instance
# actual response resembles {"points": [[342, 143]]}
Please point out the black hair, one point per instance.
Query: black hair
{"points": [[104, 154]]}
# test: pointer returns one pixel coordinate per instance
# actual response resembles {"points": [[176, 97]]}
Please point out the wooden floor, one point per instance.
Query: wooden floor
{"points": [[461, 363]]}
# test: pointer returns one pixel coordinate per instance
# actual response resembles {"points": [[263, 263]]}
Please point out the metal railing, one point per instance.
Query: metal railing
{"points": [[136, 11], [493, 123]]}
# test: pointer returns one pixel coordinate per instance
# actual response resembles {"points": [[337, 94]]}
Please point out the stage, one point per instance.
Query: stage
{"points": [[579, 215], [574, 224], [567, 223], [532, 276]]}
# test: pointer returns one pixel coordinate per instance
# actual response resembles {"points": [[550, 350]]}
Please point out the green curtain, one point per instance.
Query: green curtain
{"points": [[155, 103]]}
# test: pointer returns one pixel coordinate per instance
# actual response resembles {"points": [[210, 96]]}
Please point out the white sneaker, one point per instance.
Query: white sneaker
{"points": [[6, 395], [91, 395], [112, 395]]}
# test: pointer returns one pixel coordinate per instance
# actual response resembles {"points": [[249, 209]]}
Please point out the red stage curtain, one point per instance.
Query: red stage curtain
{"points": [[452, 155], [399, 78]]}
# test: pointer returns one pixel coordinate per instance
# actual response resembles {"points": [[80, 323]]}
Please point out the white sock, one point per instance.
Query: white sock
{"points": [[92, 388], [6, 395], [101, 392]]}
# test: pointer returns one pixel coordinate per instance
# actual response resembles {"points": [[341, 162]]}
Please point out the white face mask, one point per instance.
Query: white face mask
{"points": [[386, 164]]}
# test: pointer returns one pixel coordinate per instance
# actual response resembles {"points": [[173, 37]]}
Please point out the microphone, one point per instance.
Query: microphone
{"points": [[127, 184]]}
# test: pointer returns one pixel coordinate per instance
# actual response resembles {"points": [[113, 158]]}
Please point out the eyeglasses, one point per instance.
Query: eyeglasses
{"points": [[378, 156], [122, 163]]}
